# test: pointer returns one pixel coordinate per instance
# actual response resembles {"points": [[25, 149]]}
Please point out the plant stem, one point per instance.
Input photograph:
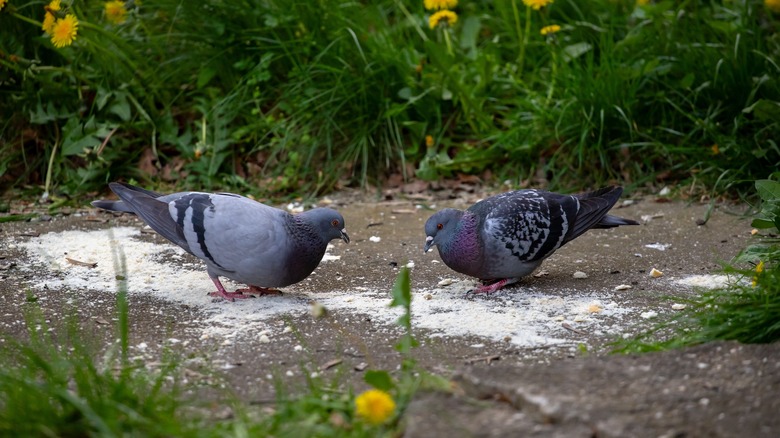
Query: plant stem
{"points": [[520, 40], [553, 74], [47, 184], [526, 34], [447, 40]]}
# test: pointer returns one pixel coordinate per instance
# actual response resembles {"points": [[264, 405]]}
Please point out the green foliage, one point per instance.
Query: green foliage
{"points": [[275, 97], [51, 386], [748, 310]]}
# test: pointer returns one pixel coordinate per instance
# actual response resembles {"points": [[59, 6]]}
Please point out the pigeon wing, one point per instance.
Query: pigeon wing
{"points": [[529, 224], [152, 210], [593, 206]]}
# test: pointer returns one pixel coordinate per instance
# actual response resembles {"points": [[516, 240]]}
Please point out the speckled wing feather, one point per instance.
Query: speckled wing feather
{"points": [[526, 224]]}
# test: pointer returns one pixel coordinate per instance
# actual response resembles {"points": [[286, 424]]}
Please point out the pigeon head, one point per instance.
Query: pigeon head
{"points": [[328, 222], [440, 228]]}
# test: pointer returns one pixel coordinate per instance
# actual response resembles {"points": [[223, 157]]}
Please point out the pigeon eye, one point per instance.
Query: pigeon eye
{"points": [[335, 222], [439, 226]]}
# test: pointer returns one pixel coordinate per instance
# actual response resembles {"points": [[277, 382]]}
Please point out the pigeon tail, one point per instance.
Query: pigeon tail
{"points": [[153, 211], [121, 205], [610, 221], [593, 207], [113, 206]]}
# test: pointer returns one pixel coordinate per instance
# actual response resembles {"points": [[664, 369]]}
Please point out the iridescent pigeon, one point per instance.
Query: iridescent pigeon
{"points": [[505, 237], [238, 238]]}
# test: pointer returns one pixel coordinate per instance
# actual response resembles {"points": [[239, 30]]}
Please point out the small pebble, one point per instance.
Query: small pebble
{"points": [[649, 314], [445, 282], [298, 348], [375, 238], [264, 339], [623, 287], [580, 274], [655, 273], [594, 308], [678, 306]]}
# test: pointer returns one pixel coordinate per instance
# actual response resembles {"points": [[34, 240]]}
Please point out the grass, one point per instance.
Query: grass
{"points": [[288, 99], [747, 311], [57, 383]]}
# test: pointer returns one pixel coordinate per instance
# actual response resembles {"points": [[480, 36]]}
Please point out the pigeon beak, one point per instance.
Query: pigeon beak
{"points": [[344, 236], [428, 244]]}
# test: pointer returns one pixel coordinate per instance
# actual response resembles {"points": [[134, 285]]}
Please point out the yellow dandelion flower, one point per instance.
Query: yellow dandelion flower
{"points": [[2, 3], [440, 4], [773, 5], [551, 29], [116, 12], [642, 2], [428, 140], [715, 149], [64, 31], [49, 18], [537, 4], [759, 270], [443, 17], [374, 406], [48, 22]]}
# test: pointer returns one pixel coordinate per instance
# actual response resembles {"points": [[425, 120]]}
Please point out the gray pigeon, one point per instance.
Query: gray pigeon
{"points": [[505, 237], [238, 238]]}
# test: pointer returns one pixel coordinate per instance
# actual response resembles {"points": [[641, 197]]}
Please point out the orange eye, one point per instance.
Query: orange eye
{"points": [[439, 227], [335, 222]]}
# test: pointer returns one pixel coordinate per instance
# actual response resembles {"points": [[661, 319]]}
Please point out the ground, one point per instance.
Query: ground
{"points": [[538, 350]]}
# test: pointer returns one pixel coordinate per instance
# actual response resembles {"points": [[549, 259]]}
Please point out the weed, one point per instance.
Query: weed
{"points": [[746, 311]]}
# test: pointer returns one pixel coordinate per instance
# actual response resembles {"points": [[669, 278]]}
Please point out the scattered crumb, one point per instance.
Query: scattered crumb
{"points": [[658, 246], [649, 314], [594, 308]]}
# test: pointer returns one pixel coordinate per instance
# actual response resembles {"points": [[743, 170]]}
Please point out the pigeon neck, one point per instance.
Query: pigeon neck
{"points": [[307, 247], [462, 250]]}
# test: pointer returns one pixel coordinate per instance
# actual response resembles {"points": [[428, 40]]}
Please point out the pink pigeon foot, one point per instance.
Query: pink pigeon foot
{"points": [[257, 290], [490, 288], [230, 296]]}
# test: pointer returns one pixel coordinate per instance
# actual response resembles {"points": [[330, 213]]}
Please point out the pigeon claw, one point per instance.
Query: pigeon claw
{"points": [[257, 290], [493, 287], [230, 296]]}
